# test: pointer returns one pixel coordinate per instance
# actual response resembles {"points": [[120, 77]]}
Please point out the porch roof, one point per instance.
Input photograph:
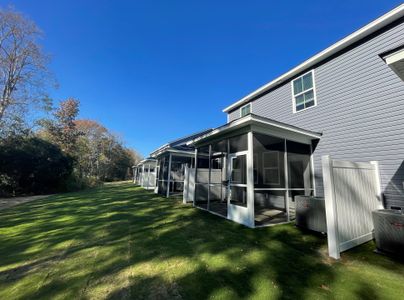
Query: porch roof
{"points": [[146, 160], [262, 122], [180, 145]]}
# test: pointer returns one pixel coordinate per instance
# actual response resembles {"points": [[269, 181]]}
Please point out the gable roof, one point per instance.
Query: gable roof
{"points": [[363, 32]]}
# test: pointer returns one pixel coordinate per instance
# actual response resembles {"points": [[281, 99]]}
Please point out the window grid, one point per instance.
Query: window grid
{"points": [[303, 90]]}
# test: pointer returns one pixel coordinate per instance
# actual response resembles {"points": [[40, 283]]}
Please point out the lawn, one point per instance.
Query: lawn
{"points": [[121, 242]]}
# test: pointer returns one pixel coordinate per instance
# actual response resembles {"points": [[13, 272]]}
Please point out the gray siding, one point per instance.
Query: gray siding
{"points": [[360, 105]]}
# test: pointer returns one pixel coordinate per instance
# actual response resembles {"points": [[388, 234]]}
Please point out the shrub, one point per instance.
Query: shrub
{"points": [[30, 165]]}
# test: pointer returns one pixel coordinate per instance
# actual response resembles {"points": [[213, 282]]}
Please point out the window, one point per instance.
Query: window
{"points": [[245, 110], [303, 89], [395, 61]]}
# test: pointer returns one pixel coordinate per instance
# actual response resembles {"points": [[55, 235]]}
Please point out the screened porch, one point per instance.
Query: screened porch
{"points": [[171, 168], [250, 170]]}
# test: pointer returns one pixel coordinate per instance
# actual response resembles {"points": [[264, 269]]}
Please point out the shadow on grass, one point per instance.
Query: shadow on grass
{"points": [[123, 242]]}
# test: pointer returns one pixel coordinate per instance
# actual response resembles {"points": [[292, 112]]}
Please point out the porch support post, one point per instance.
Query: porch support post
{"points": [[210, 171], [285, 162], [250, 180], [157, 171], [142, 180], [148, 176], [195, 170], [168, 176], [313, 179]]}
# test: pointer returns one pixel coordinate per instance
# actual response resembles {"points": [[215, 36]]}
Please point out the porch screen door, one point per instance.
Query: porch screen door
{"points": [[237, 187]]}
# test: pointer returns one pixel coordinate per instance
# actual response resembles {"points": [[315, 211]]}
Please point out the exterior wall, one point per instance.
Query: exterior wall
{"points": [[360, 104]]}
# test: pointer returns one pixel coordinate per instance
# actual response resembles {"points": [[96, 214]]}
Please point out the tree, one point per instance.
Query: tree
{"points": [[92, 144], [32, 165], [101, 153], [23, 67], [62, 130]]}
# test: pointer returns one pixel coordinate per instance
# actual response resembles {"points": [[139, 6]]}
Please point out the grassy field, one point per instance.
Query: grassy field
{"points": [[121, 242]]}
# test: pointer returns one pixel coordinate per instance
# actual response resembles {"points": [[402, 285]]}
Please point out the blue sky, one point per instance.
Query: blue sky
{"points": [[154, 71]]}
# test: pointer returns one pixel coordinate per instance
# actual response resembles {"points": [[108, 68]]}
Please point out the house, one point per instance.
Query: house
{"points": [[172, 160], [346, 101], [144, 173]]}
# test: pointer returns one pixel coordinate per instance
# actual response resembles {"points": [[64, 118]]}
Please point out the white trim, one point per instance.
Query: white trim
{"points": [[313, 177], [249, 119], [170, 150], [313, 88], [286, 174], [241, 108], [330, 208], [370, 28], [238, 184], [250, 180], [168, 176], [282, 189]]}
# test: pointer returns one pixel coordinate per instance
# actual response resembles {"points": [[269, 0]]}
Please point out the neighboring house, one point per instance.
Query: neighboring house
{"points": [[144, 173], [172, 160], [347, 102]]}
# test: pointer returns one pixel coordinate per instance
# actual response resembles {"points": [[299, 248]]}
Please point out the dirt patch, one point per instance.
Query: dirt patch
{"points": [[10, 202]]}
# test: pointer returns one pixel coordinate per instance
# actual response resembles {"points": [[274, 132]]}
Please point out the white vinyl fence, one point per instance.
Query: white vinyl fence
{"points": [[352, 191], [189, 185]]}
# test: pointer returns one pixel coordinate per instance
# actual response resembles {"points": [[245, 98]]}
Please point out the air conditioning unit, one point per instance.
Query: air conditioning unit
{"points": [[389, 230], [310, 213]]}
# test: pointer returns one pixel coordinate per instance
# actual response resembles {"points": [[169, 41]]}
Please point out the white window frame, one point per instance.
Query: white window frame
{"points": [[295, 95], [241, 108], [270, 168]]}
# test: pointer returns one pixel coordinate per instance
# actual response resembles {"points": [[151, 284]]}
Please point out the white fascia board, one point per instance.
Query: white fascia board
{"points": [[288, 127], [372, 27], [170, 150], [251, 119], [226, 127], [142, 162]]}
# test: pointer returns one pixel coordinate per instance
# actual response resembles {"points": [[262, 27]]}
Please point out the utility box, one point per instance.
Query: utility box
{"points": [[389, 230], [310, 213]]}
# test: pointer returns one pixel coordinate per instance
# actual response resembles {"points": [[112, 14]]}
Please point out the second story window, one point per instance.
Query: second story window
{"points": [[304, 94], [245, 110]]}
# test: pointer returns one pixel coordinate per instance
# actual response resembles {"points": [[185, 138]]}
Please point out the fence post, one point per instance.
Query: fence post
{"points": [[378, 184], [330, 208], [169, 176]]}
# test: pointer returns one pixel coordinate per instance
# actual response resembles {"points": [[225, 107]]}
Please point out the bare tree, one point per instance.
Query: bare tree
{"points": [[23, 65]]}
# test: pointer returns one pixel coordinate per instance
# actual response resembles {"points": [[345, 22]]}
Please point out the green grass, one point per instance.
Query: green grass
{"points": [[121, 242]]}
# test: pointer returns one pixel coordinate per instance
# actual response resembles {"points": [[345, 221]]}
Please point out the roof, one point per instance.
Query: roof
{"points": [[363, 32], [143, 161], [180, 145], [256, 120]]}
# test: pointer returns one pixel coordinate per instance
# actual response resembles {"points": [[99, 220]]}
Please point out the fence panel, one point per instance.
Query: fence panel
{"points": [[352, 192], [189, 185]]}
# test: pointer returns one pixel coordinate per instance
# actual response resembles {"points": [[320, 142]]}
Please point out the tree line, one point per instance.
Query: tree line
{"points": [[45, 149]]}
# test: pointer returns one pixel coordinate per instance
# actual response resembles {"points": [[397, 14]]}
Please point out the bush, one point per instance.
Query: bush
{"points": [[76, 183], [30, 165]]}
